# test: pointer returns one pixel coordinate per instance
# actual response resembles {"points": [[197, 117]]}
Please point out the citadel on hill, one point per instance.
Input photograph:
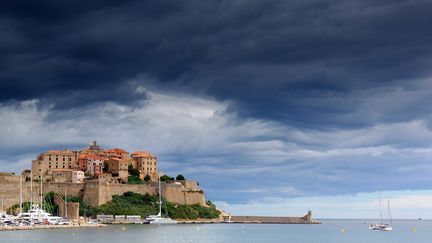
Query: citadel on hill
{"points": [[113, 165], [95, 175]]}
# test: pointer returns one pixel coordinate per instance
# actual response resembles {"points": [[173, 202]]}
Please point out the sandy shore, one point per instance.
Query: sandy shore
{"points": [[36, 227]]}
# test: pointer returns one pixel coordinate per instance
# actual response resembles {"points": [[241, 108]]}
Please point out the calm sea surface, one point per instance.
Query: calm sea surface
{"points": [[332, 231]]}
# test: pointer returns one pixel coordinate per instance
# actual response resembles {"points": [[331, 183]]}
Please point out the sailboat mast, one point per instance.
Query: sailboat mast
{"points": [[160, 198], [389, 212], [65, 203], [31, 196], [21, 198], [41, 192], [31, 189], [380, 208]]}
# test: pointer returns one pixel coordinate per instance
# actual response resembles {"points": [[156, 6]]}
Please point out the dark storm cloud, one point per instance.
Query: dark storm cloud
{"points": [[302, 62]]}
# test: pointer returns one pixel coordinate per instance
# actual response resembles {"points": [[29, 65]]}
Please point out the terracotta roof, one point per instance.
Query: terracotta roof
{"points": [[141, 154], [94, 157], [117, 150]]}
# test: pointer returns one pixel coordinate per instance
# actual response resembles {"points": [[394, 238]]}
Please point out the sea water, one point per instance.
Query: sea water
{"points": [[331, 231]]}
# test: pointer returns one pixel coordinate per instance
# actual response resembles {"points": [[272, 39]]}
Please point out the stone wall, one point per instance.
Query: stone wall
{"points": [[270, 220], [177, 193], [10, 189], [95, 192], [307, 219], [106, 191], [72, 209]]}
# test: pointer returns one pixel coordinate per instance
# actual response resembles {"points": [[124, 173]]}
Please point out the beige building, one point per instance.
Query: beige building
{"points": [[52, 160], [61, 175], [146, 164], [117, 167]]}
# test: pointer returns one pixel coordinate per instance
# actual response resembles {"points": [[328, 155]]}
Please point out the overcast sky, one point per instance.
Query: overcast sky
{"points": [[273, 106]]}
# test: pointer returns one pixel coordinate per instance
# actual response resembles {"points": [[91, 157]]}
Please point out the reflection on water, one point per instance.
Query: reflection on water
{"points": [[332, 231]]}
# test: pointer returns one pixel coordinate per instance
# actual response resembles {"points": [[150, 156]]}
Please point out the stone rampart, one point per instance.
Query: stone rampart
{"points": [[106, 191], [95, 192], [177, 193]]}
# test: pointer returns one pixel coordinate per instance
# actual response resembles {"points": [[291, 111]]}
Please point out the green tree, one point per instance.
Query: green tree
{"points": [[147, 178], [180, 177], [134, 180], [166, 178], [133, 171]]}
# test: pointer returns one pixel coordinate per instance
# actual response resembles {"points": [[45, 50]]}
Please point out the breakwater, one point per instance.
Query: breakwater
{"points": [[307, 219]]}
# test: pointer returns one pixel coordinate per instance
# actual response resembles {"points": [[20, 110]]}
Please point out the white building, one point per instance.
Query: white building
{"points": [[77, 176], [95, 164]]}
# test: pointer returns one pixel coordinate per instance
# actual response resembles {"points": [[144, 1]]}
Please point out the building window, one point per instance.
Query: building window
{"points": [[56, 159]]}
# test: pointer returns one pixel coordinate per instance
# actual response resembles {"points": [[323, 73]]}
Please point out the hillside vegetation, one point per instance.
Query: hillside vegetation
{"points": [[131, 203]]}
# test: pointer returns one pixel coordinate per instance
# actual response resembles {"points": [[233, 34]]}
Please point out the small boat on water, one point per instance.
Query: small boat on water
{"points": [[159, 219], [382, 226]]}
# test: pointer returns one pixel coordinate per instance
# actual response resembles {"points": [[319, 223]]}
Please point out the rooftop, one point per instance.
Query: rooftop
{"points": [[141, 154], [117, 150]]}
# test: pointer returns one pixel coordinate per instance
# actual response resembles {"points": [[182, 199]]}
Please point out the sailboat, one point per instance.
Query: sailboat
{"points": [[158, 219], [36, 213], [382, 226]]}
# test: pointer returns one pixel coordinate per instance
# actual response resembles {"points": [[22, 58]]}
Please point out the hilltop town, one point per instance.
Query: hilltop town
{"points": [[116, 182], [95, 175], [112, 165]]}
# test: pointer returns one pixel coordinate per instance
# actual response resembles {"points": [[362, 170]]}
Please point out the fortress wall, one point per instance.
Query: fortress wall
{"points": [[72, 189], [178, 194], [10, 189], [106, 191], [95, 192], [91, 194], [194, 197]]}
